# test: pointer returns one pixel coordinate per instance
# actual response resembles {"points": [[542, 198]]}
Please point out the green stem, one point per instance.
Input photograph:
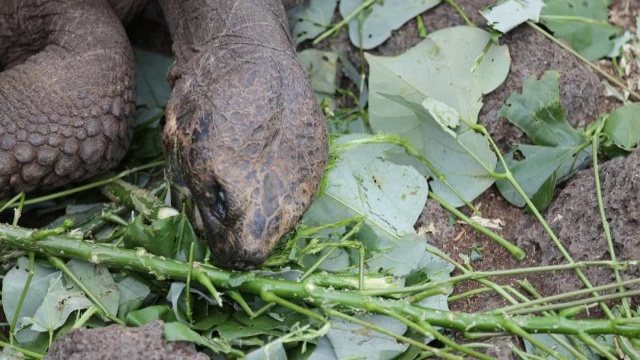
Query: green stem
{"points": [[404, 339], [545, 300], [60, 265], [597, 346], [29, 353], [92, 185], [477, 275], [508, 175], [603, 215], [268, 296], [315, 293], [23, 295], [570, 304], [335, 28], [461, 12], [514, 250], [515, 329], [139, 199]]}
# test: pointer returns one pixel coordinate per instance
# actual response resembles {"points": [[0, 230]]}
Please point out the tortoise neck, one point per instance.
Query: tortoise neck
{"points": [[197, 26]]}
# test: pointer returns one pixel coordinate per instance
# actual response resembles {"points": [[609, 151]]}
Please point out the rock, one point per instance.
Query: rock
{"points": [[575, 219], [119, 342]]}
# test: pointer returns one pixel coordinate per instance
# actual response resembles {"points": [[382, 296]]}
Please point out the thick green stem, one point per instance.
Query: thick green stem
{"points": [[310, 291], [139, 199]]}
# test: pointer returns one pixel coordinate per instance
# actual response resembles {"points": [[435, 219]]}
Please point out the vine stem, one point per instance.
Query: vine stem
{"points": [[603, 216]]}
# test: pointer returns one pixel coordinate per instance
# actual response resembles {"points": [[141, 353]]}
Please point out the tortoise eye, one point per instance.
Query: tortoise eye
{"points": [[218, 201]]}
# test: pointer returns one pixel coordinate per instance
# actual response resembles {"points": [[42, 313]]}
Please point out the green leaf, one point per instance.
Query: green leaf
{"points": [[560, 151], [362, 183], [536, 165], [176, 331], [455, 67], [322, 69], [60, 301], [538, 113], [584, 24], [158, 238], [13, 284], [552, 343], [542, 198], [273, 350], [623, 126], [310, 19], [98, 280], [400, 257], [383, 18], [511, 13], [433, 268], [132, 295], [462, 158], [351, 340], [169, 237], [152, 87], [150, 313]]}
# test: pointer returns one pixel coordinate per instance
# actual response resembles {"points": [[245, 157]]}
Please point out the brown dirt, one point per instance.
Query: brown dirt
{"points": [[119, 342]]}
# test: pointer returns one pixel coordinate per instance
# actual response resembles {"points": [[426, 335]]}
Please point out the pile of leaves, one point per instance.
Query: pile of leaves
{"points": [[355, 279]]}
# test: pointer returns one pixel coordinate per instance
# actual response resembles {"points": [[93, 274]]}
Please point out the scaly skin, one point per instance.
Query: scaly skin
{"points": [[244, 134], [66, 93]]}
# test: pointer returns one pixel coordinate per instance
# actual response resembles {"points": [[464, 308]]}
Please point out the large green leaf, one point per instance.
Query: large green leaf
{"points": [[443, 67], [321, 67], [12, 286], [383, 17], [584, 24], [463, 158], [152, 87], [391, 197], [452, 68]]}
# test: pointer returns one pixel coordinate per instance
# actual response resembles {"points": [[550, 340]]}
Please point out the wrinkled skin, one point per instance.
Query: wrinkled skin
{"points": [[243, 135]]}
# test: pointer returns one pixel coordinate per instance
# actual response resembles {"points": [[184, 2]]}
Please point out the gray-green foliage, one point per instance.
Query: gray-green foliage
{"points": [[310, 18], [362, 182], [623, 126], [584, 24], [558, 150], [381, 18], [511, 13], [411, 95], [52, 297]]}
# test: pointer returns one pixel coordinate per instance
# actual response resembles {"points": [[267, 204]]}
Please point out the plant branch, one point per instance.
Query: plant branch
{"points": [[311, 291]]}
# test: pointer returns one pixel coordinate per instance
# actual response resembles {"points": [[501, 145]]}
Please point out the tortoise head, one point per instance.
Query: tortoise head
{"points": [[251, 162]]}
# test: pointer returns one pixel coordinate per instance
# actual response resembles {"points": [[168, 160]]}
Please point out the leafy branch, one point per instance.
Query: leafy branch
{"points": [[317, 290]]}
